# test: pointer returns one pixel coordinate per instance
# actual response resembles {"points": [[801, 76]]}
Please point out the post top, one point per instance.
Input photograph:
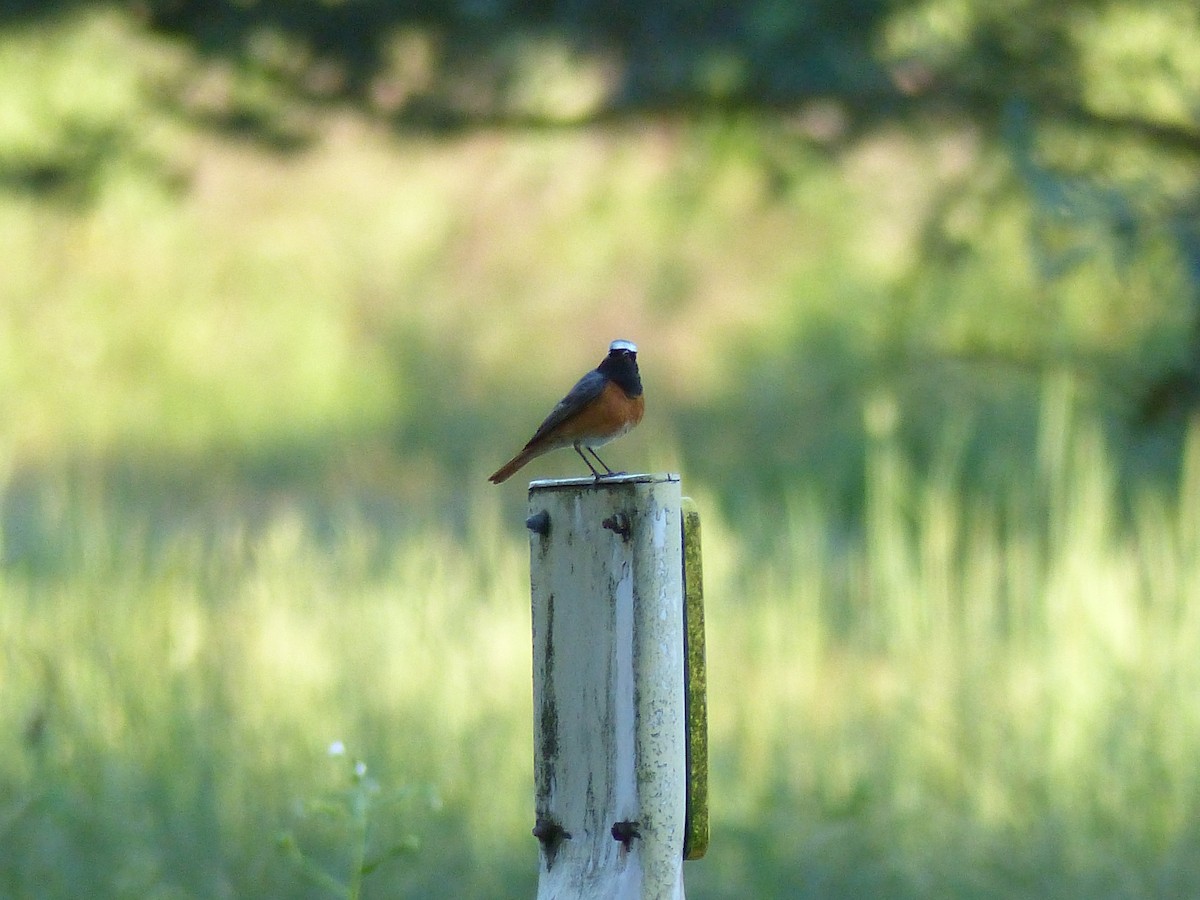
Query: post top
{"points": [[550, 484]]}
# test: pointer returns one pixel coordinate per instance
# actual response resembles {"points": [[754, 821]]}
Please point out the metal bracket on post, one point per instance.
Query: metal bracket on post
{"points": [[616, 752]]}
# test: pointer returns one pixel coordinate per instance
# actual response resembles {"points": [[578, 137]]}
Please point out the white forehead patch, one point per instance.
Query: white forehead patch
{"points": [[622, 345]]}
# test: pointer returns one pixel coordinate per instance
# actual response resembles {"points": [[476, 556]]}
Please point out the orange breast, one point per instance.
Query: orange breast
{"points": [[608, 416]]}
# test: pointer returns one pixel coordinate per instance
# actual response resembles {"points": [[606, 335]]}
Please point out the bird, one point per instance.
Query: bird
{"points": [[603, 405]]}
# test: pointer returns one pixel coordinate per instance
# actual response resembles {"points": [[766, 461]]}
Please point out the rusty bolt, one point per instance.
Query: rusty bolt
{"points": [[539, 523], [618, 523], [625, 832]]}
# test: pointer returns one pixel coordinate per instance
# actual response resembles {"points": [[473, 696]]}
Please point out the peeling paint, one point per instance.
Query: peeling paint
{"points": [[610, 742]]}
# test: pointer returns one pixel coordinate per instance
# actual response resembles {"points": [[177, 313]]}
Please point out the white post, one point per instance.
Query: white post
{"points": [[608, 687]]}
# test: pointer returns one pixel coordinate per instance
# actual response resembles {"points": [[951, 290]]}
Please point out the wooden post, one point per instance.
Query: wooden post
{"points": [[610, 742]]}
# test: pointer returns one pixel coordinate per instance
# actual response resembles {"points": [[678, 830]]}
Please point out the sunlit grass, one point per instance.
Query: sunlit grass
{"points": [[991, 688], [981, 696], [191, 696], [250, 390], [170, 288]]}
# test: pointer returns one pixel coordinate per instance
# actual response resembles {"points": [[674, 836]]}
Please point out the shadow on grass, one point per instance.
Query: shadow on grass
{"points": [[119, 829], [809, 857], [184, 811], [796, 422], [804, 419]]}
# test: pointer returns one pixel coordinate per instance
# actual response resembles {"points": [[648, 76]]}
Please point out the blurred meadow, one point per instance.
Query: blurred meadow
{"points": [[916, 287]]}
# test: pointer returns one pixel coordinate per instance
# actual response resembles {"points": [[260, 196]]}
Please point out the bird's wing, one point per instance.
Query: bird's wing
{"points": [[587, 389]]}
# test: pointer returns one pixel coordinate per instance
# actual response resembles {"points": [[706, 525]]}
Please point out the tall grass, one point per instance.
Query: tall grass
{"points": [[976, 690], [976, 696], [165, 714], [983, 696]]}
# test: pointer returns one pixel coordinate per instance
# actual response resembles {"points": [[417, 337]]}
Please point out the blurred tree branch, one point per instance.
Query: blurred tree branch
{"points": [[459, 65]]}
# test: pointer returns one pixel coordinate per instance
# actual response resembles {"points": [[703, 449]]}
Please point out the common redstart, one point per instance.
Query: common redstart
{"points": [[604, 404]]}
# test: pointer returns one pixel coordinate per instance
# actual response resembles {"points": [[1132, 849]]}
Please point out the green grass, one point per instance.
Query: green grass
{"points": [[982, 699], [250, 388], [979, 698], [175, 289], [168, 710]]}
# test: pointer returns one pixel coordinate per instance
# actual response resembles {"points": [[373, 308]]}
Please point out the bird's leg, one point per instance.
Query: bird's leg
{"points": [[595, 474], [596, 456], [607, 470]]}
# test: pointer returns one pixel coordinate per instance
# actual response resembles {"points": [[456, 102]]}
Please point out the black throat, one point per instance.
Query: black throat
{"points": [[621, 367]]}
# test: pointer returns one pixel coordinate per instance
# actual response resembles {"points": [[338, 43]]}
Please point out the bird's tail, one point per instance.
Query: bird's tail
{"points": [[507, 470]]}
